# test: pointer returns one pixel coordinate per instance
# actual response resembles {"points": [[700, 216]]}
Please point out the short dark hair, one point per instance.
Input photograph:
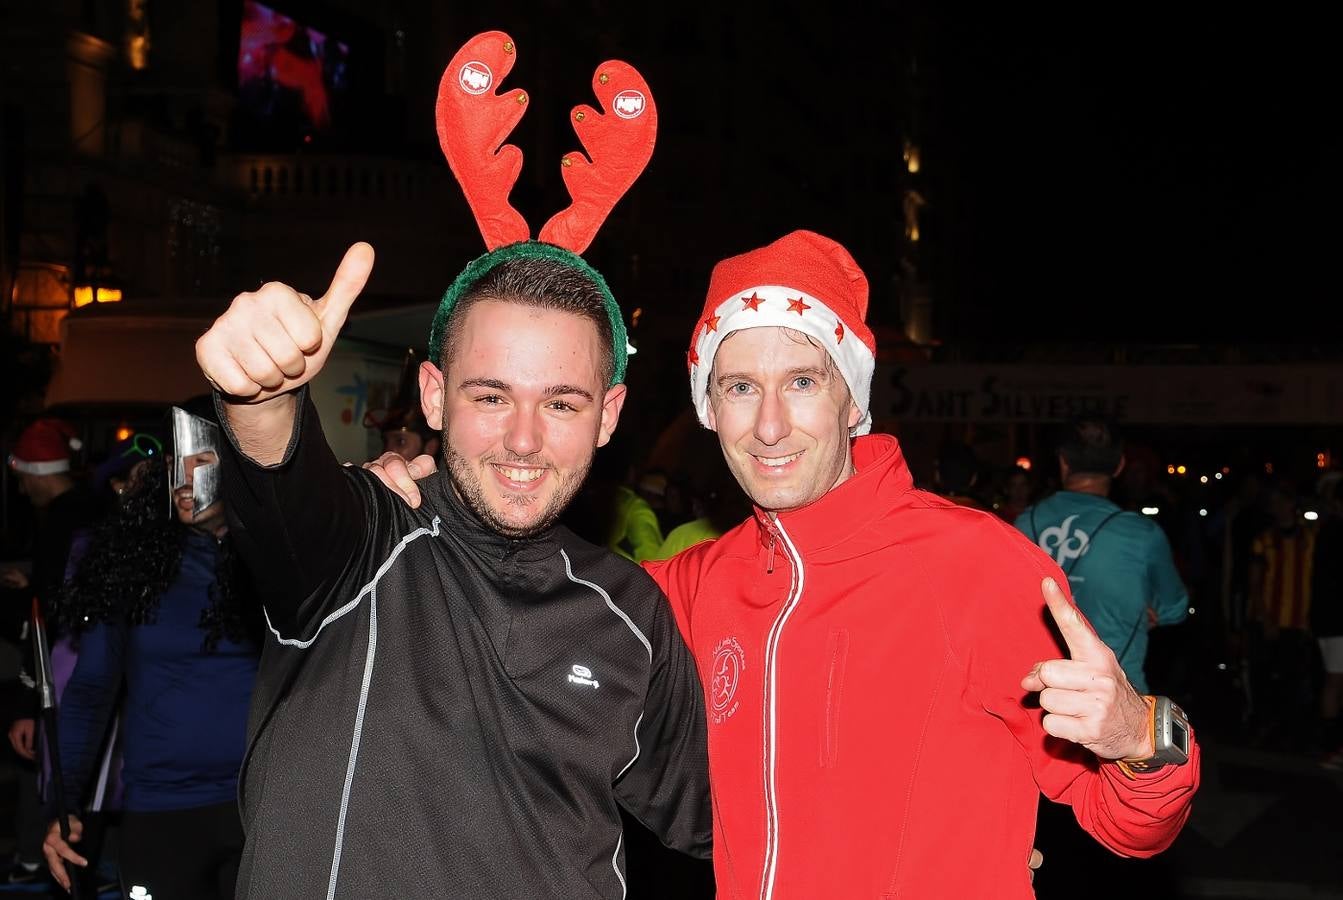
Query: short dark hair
{"points": [[1091, 445], [541, 283]]}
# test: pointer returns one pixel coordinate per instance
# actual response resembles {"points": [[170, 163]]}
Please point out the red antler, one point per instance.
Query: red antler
{"points": [[473, 122], [620, 143]]}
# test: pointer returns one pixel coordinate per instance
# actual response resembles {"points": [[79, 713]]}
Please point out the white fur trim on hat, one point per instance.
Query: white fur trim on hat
{"points": [[45, 467], [785, 308]]}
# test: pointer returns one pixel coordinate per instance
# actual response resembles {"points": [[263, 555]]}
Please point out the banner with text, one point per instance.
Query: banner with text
{"points": [[1193, 395]]}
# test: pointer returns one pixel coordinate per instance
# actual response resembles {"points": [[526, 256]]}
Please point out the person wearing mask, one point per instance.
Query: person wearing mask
{"points": [[166, 625]]}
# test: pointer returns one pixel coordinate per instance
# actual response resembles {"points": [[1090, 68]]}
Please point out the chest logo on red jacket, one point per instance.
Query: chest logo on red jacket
{"points": [[729, 661]]}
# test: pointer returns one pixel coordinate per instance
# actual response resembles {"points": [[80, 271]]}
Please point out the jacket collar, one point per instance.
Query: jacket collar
{"points": [[880, 480]]}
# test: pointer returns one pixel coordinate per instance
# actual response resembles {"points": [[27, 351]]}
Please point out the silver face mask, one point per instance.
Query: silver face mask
{"points": [[192, 435]]}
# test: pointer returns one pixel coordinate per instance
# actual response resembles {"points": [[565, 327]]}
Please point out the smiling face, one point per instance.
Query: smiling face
{"points": [[783, 415], [523, 404], [208, 519]]}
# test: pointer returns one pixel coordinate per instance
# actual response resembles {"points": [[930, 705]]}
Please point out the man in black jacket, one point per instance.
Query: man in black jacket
{"points": [[454, 700]]}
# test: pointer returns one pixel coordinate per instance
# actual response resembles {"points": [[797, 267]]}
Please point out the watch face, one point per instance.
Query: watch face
{"points": [[1179, 736]]}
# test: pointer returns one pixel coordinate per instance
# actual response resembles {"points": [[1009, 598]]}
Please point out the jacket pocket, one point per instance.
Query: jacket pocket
{"points": [[837, 652]]}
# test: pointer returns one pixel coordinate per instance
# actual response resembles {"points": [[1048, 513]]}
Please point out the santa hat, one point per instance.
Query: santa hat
{"points": [[44, 448], [802, 281]]}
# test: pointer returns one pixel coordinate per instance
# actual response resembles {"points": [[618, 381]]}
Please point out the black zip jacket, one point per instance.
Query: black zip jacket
{"points": [[442, 711]]}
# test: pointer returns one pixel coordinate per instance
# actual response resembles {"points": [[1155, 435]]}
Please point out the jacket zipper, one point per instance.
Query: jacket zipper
{"points": [[771, 704]]}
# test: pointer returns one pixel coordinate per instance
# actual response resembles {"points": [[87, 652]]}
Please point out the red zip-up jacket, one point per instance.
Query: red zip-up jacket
{"points": [[862, 661]]}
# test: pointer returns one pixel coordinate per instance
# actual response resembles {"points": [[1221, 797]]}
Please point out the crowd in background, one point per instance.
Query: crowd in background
{"points": [[1259, 554]]}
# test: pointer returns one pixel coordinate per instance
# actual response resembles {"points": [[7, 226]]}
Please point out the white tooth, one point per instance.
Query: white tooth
{"points": [[780, 461], [522, 474]]}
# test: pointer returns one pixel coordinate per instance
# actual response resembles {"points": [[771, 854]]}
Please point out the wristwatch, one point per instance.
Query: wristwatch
{"points": [[1169, 729]]}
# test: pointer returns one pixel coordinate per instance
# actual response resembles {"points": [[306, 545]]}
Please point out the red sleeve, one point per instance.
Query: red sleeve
{"points": [[678, 578], [1009, 633]]}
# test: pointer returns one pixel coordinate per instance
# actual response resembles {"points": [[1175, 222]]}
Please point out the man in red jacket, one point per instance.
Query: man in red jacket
{"points": [[886, 696]]}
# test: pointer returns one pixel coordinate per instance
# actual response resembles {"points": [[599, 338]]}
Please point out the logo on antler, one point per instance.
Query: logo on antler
{"points": [[628, 104], [475, 77]]}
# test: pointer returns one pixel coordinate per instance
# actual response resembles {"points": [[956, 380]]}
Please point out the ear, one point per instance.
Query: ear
{"points": [[1123, 461], [431, 395], [612, 404], [1063, 468], [855, 415]]}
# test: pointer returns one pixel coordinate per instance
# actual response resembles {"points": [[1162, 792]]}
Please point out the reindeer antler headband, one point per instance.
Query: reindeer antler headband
{"points": [[474, 122]]}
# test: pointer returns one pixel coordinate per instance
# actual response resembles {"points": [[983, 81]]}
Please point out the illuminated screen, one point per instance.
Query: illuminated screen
{"points": [[288, 71]]}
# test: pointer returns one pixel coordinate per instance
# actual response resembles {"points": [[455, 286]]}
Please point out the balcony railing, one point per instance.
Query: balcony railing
{"points": [[348, 179]]}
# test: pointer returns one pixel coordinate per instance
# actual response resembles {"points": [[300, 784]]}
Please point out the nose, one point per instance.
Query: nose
{"points": [[524, 433], [771, 422]]}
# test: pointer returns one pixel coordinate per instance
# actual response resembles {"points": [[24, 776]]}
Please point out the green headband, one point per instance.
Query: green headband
{"points": [[478, 268]]}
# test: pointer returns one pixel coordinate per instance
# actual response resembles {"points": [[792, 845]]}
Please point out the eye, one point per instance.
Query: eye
{"points": [[805, 382], [490, 399], [739, 388], [562, 406]]}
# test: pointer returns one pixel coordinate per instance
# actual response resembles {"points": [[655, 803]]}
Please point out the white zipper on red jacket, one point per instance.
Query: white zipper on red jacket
{"points": [[770, 706]]}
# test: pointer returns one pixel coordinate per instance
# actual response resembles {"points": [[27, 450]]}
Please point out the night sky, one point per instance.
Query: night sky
{"points": [[1134, 177], [1145, 177]]}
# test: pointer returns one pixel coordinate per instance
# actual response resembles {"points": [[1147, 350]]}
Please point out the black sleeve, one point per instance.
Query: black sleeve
{"points": [[86, 707], [307, 527], [667, 787]]}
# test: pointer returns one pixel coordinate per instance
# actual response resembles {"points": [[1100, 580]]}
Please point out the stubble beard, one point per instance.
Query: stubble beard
{"points": [[466, 482]]}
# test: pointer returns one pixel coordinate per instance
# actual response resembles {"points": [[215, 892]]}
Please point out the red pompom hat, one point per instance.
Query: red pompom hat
{"points": [[44, 448], [803, 281]]}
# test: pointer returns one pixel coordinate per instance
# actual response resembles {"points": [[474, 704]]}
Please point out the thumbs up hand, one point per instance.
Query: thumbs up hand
{"points": [[1087, 699], [274, 340]]}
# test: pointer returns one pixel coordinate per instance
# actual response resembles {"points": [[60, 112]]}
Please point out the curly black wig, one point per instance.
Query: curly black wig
{"points": [[134, 555]]}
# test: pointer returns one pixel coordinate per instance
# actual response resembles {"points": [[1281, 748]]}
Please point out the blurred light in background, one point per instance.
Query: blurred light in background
{"points": [[84, 295]]}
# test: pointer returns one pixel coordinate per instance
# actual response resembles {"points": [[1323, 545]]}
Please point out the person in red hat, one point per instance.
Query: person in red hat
{"points": [[867, 647], [883, 686], [42, 462]]}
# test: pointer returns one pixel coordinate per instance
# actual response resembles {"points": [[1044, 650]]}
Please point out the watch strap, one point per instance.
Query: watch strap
{"points": [[1131, 767]]}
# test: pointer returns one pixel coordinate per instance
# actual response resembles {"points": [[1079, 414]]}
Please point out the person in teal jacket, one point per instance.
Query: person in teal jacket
{"points": [[1118, 563]]}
